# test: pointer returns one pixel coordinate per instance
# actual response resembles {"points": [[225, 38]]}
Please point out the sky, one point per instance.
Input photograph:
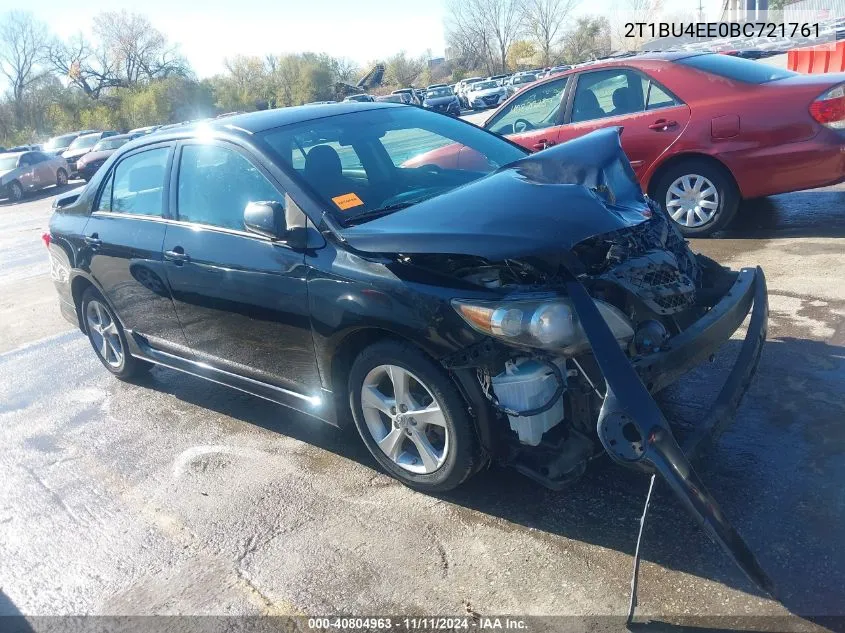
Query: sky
{"points": [[210, 30]]}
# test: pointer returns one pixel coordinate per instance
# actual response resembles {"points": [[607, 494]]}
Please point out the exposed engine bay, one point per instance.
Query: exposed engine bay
{"points": [[646, 272]]}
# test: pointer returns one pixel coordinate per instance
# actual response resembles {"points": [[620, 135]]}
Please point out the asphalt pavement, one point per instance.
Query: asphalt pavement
{"points": [[178, 496]]}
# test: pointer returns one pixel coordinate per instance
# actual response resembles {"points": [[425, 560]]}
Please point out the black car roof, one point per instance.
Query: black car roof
{"points": [[268, 119]]}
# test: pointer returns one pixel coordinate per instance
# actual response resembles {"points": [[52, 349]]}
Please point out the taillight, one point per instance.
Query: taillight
{"points": [[46, 237], [829, 108]]}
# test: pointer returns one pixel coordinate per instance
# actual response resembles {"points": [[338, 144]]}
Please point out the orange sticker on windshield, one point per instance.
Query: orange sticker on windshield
{"points": [[347, 201]]}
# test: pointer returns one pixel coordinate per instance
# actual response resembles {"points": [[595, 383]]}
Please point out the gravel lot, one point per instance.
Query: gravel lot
{"points": [[180, 496]]}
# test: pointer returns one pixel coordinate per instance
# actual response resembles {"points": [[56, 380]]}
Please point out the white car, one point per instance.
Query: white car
{"points": [[486, 94], [463, 88]]}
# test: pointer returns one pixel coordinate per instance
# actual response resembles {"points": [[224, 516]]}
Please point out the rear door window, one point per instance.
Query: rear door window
{"points": [[605, 93], [137, 184]]}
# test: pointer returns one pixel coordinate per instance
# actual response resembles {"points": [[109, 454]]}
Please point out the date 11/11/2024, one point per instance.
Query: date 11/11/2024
{"points": [[707, 30]]}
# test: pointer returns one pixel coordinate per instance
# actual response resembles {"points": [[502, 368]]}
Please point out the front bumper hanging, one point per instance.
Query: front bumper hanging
{"points": [[631, 425]]}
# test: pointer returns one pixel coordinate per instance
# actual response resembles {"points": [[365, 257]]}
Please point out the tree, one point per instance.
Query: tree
{"points": [[634, 11], [489, 26], [141, 52], [403, 71], [90, 68], [544, 20], [588, 39], [521, 55], [22, 45]]}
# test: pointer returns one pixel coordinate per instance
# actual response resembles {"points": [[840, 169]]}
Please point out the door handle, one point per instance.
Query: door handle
{"points": [[177, 255], [542, 144], [661, 125], [92, 240]]}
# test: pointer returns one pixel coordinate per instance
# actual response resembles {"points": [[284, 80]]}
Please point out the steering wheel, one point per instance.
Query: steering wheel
{"points": [[435, 169], [522, 125], [405, 196]]}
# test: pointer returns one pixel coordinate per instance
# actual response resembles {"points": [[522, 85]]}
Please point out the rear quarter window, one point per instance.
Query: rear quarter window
{"points": [[736, 68]]}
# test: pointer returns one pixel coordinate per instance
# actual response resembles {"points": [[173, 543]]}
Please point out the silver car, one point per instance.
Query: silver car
{"points": [[29, 171]]}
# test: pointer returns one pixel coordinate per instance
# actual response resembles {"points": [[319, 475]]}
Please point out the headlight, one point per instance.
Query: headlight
{"points": [[545, 323]]}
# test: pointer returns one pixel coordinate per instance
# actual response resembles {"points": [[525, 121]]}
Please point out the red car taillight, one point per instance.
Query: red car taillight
{"points": [[829, 108], [46, 237]]}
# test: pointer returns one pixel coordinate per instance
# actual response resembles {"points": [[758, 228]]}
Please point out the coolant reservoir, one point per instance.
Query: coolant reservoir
{"points": [[527, 385]]}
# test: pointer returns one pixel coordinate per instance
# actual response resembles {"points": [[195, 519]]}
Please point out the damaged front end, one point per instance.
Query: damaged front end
{"points": [[587, 301]]}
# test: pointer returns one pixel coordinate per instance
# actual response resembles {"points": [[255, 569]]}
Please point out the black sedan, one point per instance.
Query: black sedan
{"points": [[486, 305], [442, 99]]}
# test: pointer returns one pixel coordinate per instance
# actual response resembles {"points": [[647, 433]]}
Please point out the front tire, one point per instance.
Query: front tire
{"points": [[700, 197], [108, 338], [412, 417], [61, 177]]}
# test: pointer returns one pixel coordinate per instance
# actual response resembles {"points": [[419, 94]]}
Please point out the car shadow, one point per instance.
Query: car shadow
{"points": [[776, 473], [811, 213], [11, 619], [47, 192]]}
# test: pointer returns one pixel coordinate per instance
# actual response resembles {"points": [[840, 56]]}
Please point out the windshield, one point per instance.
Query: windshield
{"points": [[109, 143], [60, 141], [737, 68], [363, 164], [8, 162], [484, 85], [84, 142], [434, 93]]}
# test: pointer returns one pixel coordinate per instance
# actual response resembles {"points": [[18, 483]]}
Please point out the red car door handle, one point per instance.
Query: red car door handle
{"points": [[542, 144], [662, 124]]}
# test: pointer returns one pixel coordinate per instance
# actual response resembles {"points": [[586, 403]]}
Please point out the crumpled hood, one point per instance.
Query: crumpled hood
{"points": [[545, 202]]}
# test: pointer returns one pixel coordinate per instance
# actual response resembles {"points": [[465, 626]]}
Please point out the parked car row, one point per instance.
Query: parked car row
{"points": [[702, 131]]}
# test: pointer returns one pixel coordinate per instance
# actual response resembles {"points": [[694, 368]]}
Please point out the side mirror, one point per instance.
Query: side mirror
{"points": [[265, 218]]}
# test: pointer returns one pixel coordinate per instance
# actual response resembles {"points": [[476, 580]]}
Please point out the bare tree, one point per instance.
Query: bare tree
{"points": [[140, 51], [544, 20], [87, 67], [492, 25], [633, 11], [22, 45]]}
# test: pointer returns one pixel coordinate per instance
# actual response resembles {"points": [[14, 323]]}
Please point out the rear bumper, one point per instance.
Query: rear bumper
{"points": [[699, 341]]}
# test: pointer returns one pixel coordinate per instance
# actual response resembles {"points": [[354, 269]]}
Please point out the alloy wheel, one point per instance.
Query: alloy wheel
{"points": [[405, 419], [61, 178], [103, 332], [692, 200]]}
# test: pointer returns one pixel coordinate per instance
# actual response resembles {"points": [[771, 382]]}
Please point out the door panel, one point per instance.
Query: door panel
{"points": [[241, 299], [650, 118], [122, 245], [532, 119]]}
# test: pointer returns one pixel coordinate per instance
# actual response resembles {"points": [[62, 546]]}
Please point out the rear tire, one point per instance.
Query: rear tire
{"points": [[15, 191], [61, 177], [107, 337], [700, 197], [433, 451]]}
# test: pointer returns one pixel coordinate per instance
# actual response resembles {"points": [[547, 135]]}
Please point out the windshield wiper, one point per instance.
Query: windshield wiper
{"points": [[378, 213]]}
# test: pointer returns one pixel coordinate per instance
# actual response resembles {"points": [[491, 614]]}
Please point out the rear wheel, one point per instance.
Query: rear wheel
{"points": [[61, 178], [700, 197], [412, 418], [15, 191], [107, 337]]}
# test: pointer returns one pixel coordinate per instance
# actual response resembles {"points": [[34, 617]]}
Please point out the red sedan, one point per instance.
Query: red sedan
{"points": [[702, 131]]}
